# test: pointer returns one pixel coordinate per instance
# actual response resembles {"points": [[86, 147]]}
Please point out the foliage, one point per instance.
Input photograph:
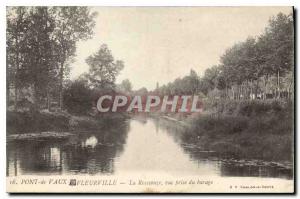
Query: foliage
{"points": [[255, 68], [40, 44], [78, 98], [103, 68], [125, 86], [245, 129]]}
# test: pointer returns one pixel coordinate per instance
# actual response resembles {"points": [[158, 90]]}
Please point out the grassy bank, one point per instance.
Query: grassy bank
{"points": [[21, 122], [244, 129]]}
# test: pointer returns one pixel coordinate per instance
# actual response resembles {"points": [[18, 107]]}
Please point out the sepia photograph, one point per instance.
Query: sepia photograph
{"points": [[150, 99]]}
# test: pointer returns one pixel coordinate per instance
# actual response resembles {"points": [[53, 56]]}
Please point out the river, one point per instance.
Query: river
{"points": [[137, 145]]}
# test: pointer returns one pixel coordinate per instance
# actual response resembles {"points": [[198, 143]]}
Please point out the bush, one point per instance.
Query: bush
{"points": [[245, 129], [78, 98]]}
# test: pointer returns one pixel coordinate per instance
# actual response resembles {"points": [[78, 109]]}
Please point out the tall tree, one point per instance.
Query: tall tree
{"points": [[39, 62], [17, 24], [210, 79], [71, 25], [279, 39], [103, 68]]}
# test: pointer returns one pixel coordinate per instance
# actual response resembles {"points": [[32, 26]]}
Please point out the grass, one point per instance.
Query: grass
{"points": [[26, 122], [245, 129], [20, 122]]}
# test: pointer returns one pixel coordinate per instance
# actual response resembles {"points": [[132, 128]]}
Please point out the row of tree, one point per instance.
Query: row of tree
{"points": [[260, 67], [41, 43]]}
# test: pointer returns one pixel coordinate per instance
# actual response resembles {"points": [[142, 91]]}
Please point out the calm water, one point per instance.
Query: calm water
{"points": [[137, 145]]}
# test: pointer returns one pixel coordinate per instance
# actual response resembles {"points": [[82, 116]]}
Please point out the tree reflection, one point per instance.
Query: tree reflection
{"points": [[86, 152], [38, 157], [227, 167]]}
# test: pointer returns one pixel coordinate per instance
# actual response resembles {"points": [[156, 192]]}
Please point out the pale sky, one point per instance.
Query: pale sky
{"points": [[159, 44]]}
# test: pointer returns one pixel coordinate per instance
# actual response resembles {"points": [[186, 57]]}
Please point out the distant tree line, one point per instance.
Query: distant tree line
{"points": [[260, 67]]}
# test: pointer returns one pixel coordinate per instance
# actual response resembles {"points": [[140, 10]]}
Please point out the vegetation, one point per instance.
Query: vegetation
{"points": [[41, 45], [258, 68], [41, 42], [26, 122], [248, 97], [37, 64], [78, 98], [22, 122], [103, 69], [245, 129]]}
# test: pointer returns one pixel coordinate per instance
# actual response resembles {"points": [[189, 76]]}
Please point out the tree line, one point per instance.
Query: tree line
{"points": [[258, 68], [40, 46]]}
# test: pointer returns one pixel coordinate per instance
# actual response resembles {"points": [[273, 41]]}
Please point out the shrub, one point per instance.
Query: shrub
{"points": [[78, 98], [245, 129]]}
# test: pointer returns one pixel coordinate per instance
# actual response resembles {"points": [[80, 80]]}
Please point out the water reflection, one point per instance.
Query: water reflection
{"points": [[85, 153], [150, 148], [229, 169], [90, 142], [233, 168], [28, 157], [139, 145]]}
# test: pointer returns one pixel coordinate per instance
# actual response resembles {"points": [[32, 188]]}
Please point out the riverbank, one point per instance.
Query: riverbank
{"points": [[260, 130], [26, 125]]}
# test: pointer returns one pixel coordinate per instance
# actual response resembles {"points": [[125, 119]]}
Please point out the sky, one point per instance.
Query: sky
{"points": [[160, 44]]}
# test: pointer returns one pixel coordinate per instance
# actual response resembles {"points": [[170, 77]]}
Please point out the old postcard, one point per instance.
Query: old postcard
{"points": [[150, 99]]}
